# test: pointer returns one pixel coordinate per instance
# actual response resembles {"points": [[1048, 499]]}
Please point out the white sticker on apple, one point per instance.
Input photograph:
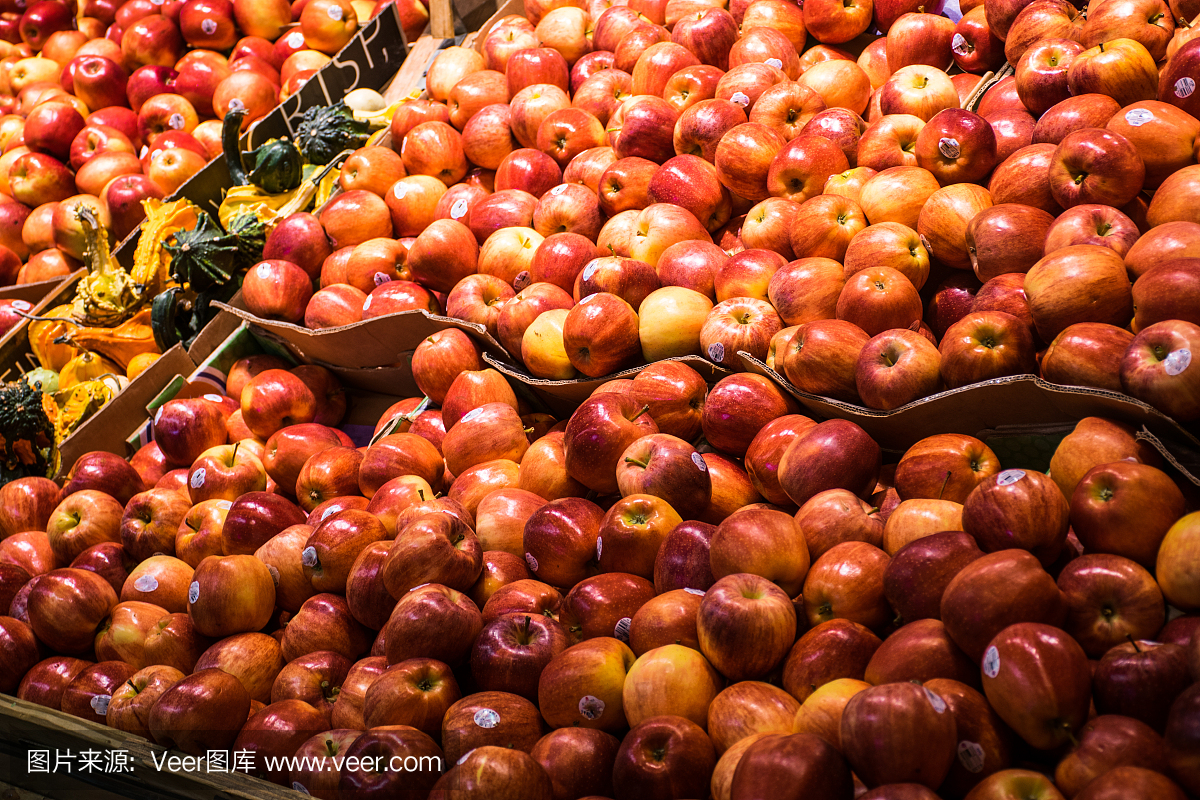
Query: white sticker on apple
{"points": [[308, 556], [588, 299], [774, 62], [458, 209], [698, 460], [991, 662], [1184, 87], [486, 718], [465, 756], [948, 146], [300, 787], [100, 702], [327, 512], [295, 40], [472, 414], [599, 547], [146, 583], [1009, 477], [21, 305], [591, 268], [236, 105], [557, 190], [209, 26], [367, 303], [531, 561], [271, 568], [213, 398], [335, 13], [158, 415], [716, 352], [194, 592], [381, 278], [418, 586], [959, 44], [690, 590], [970, 755], [1139, 116], [400, 189], [621, 631], [1177, 361], [935, 700], [591, 707], [197, 479], [741, 98]]}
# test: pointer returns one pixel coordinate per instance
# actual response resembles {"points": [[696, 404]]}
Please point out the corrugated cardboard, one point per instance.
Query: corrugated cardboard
{"points": [[1018, 401], [562, 397], [35, 292], [374, 342]]}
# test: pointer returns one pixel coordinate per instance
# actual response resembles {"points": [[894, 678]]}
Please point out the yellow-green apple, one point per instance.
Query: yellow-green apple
{"points": [[995, 591], [821, 713], [985, 345], [672, 679], [746, 626], [896, 367], [670, 322], [880, 726], [1018, 509]]}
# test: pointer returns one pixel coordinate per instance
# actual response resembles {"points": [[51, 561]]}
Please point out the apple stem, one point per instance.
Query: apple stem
{"points": [[421, 494], [645, 409], [641, 464], [945, 481], [131, 686], [1070, 733], [526, 631], [1133, 642], [236, 445]]}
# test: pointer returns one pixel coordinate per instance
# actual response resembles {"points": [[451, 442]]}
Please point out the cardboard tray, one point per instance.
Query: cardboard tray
{"points": [[563, 397], [1015, 402], [34, 292]]}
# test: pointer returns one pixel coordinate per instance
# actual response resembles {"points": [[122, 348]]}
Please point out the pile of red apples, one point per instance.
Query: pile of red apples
{"points": [[594, 607], [604, 185], [107, 103]]}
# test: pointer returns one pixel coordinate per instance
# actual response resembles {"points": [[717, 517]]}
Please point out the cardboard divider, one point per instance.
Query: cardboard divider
{"points": [[1015, 401], [35, 292], [377, 342], [563, 397]]}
